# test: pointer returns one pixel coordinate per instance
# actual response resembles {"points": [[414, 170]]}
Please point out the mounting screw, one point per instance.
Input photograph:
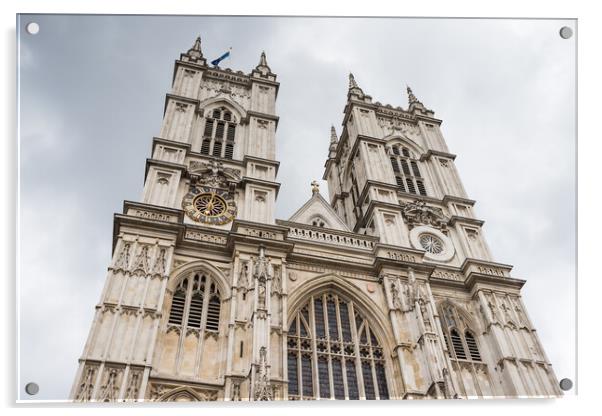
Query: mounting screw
{"points": [[32, 28], [32, 389], [566, 32], [566, 384]]}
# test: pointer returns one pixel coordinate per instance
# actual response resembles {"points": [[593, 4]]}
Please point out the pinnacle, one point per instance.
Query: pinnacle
{"points": [[352, 83], [333, 135]]}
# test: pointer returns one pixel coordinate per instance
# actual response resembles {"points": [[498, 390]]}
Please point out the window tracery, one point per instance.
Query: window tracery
{"points": [[196, 304], [219, 133], [459, 337], [405, 168], [331, 346]]}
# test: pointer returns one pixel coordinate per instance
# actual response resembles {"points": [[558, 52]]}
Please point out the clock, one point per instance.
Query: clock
{"points": [[209, 205]]}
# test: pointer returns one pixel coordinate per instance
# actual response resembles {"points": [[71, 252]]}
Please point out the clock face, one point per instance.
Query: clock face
{"points": [[209, 206]]}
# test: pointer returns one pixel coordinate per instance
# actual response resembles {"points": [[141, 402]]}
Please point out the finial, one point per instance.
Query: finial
{"points": [[315, 187], [197, 44], [352, 83], [333, 135], [411, 97], [263, 66]]}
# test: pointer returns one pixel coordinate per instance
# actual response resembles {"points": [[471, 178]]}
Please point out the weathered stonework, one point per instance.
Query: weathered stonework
{"points": [[387, 291]]}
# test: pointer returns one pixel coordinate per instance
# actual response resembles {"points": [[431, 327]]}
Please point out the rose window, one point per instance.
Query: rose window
{"points": [[431, 244]]}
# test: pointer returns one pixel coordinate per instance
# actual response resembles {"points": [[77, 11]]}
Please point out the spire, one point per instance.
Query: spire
{"points": [[262, 66], [197, 44], [333, 135], [354, 88], [194, 54], [416, 105]]}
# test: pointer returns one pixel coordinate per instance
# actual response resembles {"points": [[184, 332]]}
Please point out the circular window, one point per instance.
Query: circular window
{"points": [[436, 245], [431, 244]]}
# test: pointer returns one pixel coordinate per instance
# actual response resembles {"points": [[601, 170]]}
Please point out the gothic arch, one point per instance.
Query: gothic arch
{"points": [[200, 265], [333, 284], [406, 141], [336, 283], [469, 321], [214, 102], [180, 394]]}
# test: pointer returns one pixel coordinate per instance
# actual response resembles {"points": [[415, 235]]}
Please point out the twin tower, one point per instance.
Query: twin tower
{"points": [[387, 290]]}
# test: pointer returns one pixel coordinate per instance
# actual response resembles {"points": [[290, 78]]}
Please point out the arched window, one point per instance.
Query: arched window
{"points": [[463, 345], [407, 173], [196, 304], [331, 346], [219, 132]]}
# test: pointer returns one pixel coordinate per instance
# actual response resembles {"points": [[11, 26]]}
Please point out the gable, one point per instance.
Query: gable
{"points": [[316, 211]]}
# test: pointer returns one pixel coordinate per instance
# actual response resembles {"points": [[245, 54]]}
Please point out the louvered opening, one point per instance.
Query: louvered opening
{"points": [[395, 150], [217, 149], [231, 131], [229, 154], [177, 308], [208, 128], [411, 188], [217, 113], [196, 311], [205, 146], [404, 166], [457, 344], [399, 181], [421, 187], [394, 165], [415, 168], [405, 152], [219, 130], [213, 310], [473, 349], [227, 116]]}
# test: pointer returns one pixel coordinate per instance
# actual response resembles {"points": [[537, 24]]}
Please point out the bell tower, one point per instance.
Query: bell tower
{"points": [[186, 313], [221, 122]]}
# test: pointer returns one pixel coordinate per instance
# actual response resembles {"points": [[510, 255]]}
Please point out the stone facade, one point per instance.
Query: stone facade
{"points": [[387, 291]]}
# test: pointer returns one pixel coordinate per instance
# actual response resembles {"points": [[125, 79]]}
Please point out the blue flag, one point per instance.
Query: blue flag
{"points": [[216, 62]]}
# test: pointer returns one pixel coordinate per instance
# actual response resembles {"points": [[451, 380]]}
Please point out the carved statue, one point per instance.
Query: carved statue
{"points": [[213, 174], [395, 296], [418, 213], [263, 389], [243, 280]]}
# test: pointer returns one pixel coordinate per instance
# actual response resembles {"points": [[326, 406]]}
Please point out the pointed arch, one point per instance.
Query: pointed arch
{"points": [[337, 343], [459, 331], [184, 393], [210, 103], [405, 141], [200, 266]]}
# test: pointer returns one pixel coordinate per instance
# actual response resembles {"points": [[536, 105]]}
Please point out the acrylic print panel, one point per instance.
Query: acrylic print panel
{"points": [[214, 208]]}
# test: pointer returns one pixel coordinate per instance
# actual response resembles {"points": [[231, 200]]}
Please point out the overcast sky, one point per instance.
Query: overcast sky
{"points": [[92, 95]]}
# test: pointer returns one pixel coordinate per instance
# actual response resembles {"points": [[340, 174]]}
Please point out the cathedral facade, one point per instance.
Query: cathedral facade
{"points": [[387, 290]]}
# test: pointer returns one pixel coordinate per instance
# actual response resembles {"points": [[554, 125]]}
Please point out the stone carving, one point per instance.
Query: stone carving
{"points": [[418, 213], [131, 392], [159, 266], [263, 389], [209, 238], [213, 174], [152, 215], [401, 256], [277, 280], [141, 262], [123, 260], [243, 280], [87, 385], [395, 299], [110, 390], [441, 274], [181, 107]]}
